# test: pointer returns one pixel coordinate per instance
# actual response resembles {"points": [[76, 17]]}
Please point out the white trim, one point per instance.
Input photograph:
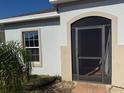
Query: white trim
{"points": [[30, 17], [34, 63], [32, 47], [60, 1], [40, 47]]}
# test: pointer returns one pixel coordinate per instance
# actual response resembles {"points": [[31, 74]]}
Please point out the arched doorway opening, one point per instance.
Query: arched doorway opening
{"points": [[91, 41]]}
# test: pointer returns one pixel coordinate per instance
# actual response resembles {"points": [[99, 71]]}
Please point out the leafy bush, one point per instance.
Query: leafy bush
{"points": [[15, 67]]}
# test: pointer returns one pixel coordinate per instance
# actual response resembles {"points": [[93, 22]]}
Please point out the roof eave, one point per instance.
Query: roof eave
{"points": [[61, 1], [29, 17]]}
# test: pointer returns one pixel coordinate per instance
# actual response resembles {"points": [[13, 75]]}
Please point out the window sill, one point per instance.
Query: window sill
{"points": [[36, 64]]}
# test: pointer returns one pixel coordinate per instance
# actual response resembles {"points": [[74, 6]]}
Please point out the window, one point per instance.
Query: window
{"points": [[31, 43]]}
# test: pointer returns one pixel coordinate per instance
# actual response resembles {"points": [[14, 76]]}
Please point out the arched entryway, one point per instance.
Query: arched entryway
{"points": [[91, 50], [66, 51]]}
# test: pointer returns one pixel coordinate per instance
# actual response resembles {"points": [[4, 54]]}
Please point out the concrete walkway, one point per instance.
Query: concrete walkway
{"points": [[84, 87]]}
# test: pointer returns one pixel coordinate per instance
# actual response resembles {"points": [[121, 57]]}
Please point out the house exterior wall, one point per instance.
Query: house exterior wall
{"points": [[50, 45], [115, 13], [56, 42]]}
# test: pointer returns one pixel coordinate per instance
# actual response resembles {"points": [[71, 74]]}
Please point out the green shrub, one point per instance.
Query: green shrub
{"points": [[15, 67]]}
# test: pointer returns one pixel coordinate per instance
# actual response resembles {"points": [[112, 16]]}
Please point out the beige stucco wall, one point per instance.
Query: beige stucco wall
{"points": [[113, 12], [49, 47]]}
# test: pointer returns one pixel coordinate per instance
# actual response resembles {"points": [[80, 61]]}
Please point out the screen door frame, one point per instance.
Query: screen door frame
{"points": [[88, 78]]}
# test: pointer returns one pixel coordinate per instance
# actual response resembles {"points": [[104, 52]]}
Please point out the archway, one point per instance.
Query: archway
{"points": [[66, 51], [91, 49]]}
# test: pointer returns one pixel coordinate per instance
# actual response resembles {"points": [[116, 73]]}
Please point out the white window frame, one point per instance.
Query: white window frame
{"points": [[34, 63]]}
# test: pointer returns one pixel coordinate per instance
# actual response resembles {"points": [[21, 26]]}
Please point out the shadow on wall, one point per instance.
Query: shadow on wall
{"points": [[34, 23], [2, 37]]}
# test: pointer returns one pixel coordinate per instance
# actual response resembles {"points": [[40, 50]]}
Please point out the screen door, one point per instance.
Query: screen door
{"points": [[90, 49]]}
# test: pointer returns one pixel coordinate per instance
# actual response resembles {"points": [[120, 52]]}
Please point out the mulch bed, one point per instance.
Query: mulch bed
{"points": [[55, 86]]}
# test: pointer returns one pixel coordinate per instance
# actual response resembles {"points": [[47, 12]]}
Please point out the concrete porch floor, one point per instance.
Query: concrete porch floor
{"points": [[86, 87]]}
